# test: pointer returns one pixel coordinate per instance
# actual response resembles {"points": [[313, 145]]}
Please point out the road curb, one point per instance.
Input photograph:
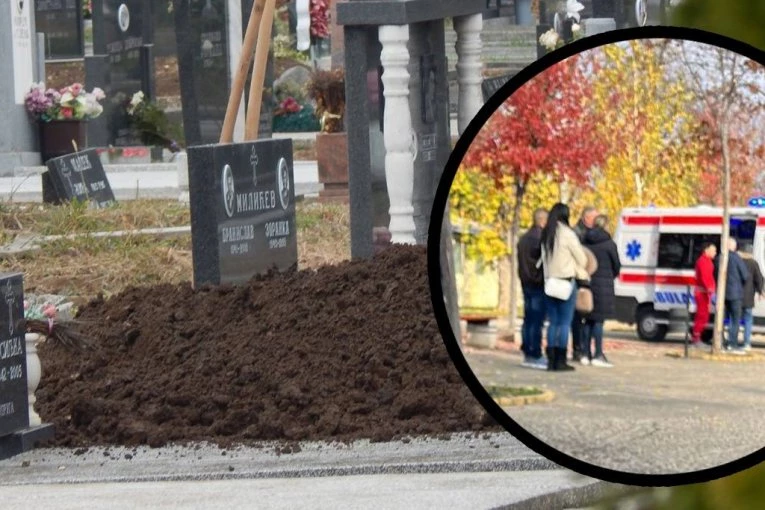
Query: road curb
{"points": [[733, 358], [577, 497]]}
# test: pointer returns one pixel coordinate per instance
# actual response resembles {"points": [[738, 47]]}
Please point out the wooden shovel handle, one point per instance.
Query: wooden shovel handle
{"points": [[252, 120], [245, 59]]}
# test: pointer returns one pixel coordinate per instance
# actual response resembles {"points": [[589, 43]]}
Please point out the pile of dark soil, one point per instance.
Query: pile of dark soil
{"points": [[345, 352]]}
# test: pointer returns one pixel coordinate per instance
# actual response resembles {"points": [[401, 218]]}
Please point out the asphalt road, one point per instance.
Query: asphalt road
{"points": [[650, 414]]}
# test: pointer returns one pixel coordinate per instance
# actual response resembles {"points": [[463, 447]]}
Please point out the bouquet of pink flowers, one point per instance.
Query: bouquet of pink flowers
{"points": [[43, 319], [319, 10], [70, 103]]}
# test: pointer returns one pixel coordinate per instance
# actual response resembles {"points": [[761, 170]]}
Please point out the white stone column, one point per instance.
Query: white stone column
{"points": [[469, 76], [34, 374], [303, 30], [400, 143]]}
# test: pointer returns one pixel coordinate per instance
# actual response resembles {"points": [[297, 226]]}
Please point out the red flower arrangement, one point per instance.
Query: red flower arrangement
{"points": [[319, 10], [289, 105]]}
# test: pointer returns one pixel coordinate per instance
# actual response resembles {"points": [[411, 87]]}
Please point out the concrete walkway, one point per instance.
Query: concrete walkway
{"points": [[466, 471], [129, 182], [650, 413]]}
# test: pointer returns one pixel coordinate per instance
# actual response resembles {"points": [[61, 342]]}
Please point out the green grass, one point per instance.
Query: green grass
{"points": [[510, 391], [85, 265], [77, 218]]}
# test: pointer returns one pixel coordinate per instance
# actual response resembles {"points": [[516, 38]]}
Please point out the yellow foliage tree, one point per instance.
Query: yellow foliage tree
{"points": [[543, 190], [475, 203], [652, 157]]}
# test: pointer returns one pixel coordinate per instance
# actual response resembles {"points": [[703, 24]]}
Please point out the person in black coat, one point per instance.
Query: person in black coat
{"points": [[755, 285], [599, 241], [585, 224]]}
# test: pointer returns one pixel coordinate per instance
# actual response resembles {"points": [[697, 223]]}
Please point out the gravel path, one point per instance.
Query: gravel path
{"points": [[650, 414]]}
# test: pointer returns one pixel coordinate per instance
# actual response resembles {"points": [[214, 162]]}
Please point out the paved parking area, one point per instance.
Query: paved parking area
{"points": [[650, 414]]}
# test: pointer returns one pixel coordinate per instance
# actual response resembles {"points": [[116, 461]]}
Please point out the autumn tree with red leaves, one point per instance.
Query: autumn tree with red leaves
{"points": [[747, 158], [546, 126]]}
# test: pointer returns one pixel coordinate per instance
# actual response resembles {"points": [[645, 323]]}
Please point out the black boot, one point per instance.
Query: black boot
{"points": [[560, 359], [550, 352]]}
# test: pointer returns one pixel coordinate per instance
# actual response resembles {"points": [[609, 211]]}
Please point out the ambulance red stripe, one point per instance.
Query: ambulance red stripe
{"points": [[657, 279], [641, 220], [676, 220], [680, 220]]}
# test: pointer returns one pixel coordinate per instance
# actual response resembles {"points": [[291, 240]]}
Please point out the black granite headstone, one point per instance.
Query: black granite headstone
{"points": [[211, 69], [201, 39], [14, 403], [242, 210], [61, 22], [120, 26], [77, 176], [490, 86]]}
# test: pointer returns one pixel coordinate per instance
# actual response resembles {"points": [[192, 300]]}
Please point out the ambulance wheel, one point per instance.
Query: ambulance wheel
{"points": [[648, 326]]}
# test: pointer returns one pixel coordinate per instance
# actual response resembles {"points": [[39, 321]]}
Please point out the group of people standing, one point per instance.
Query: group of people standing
{"points": [[551, 251], [744, 280]]}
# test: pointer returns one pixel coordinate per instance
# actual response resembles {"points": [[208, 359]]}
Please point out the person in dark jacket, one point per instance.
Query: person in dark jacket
{"points": [[585, 224], [600, 243], [753, 286], [734, 294], [533, 285]]}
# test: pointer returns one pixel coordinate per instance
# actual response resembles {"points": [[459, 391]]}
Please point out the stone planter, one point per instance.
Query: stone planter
{"points": [[56, 137], [332, 162], [482, 335], [34, 374]]}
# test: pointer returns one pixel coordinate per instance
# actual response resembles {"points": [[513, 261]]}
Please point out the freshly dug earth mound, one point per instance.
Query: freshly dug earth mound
{"points": [[345, 352]]}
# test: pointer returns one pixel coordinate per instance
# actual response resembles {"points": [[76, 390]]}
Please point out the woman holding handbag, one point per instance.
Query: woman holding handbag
{"points": [[564, 261]]}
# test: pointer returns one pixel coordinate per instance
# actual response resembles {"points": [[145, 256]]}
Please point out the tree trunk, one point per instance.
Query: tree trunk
{"points": [[723, 267], [448, 281], [512, 241], [504, 271], [565, 191]]}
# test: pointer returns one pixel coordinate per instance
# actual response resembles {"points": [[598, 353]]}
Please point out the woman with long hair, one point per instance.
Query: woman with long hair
{"points": [[564, 260]]}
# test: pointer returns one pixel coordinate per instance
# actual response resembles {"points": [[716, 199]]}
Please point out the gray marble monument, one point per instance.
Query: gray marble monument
{"points": [[18, 141]]}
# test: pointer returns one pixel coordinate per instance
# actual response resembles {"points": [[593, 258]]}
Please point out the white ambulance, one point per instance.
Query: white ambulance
{"points": [[658, 249]]}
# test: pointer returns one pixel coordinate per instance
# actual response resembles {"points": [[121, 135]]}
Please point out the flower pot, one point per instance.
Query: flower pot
{"points": [[56, 137], [34, 374], [332, 162]]}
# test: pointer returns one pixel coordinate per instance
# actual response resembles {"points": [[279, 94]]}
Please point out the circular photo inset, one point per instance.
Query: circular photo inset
{"points": [[609, 248], [283, 180], [227, 184], [123, 17]]}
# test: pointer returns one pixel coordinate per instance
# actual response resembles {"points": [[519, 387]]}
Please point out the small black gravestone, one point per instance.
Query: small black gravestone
{"points": [[61, 22], [77, 176], [123, 41], [490, 86], [242, 210], [14, 403]]}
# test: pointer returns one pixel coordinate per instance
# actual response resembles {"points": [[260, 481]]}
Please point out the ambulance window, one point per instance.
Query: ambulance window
{"points": [[698, 242], [674, 250]]}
